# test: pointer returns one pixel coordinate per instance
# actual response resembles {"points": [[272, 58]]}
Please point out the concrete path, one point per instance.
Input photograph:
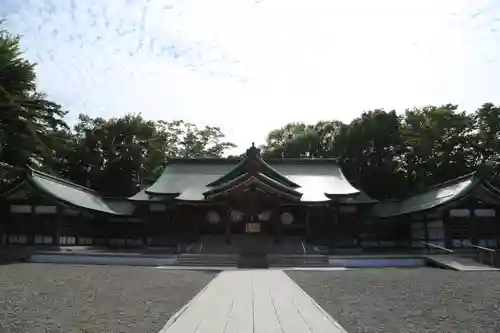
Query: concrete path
{"points": [[253, 301]]}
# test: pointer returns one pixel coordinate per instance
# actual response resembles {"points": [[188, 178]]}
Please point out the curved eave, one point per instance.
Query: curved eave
{"points": [[34, 184], [231, 175], [259, 180], [493, 190], [147, 196], [458, 197]]}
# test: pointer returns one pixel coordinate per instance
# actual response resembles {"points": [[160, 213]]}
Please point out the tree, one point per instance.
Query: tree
{"points": [[486, 137], [301, 140], [438, 145], [118, 156], [370, 150], [27, 118]]}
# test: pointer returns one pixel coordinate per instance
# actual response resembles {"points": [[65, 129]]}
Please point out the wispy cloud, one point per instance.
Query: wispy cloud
{"points": [[250, 66]]}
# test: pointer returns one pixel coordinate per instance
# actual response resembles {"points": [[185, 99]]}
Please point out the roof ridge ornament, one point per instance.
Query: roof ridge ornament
{"points": [[253, 151]]}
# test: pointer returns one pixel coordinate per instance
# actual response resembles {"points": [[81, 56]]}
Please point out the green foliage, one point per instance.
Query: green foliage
{"points": [[120, 155], [388, 154], [27, 118]]}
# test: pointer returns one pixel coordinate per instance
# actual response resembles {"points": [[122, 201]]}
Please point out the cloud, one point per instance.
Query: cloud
{"points": [[250, 66]]}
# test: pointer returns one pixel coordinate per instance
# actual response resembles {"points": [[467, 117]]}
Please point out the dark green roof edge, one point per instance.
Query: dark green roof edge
{"points": [[198, 160], [61, 180], [30, 173], [495, 190], [244, 177], [466, 191], [450, 181]]}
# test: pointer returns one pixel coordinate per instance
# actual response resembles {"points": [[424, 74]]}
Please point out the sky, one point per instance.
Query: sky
{"points": [[250, 66]]}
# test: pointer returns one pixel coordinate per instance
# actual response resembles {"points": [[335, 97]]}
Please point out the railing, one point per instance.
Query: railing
{"points": [[431, 247], [304, 248], [485, 255]]}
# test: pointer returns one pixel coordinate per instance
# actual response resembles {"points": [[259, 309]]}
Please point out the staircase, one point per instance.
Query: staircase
{"points": [[216, 244], [297, 260], [208, 260]]}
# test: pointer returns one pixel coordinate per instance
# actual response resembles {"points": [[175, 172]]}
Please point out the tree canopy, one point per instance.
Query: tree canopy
{"points": [[390, 154]]}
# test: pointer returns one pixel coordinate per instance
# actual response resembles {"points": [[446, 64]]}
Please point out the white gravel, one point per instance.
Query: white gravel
{"points": [[407, 300], [88, 299]]}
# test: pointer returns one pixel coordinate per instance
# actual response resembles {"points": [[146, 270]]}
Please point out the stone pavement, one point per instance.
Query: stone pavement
{"points": [[254, 301]]}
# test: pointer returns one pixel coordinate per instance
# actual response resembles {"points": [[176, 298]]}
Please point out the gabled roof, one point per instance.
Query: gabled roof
{"points": [[69, 193], [440, 195], [252, 163], [188, 179], [258, 179]]}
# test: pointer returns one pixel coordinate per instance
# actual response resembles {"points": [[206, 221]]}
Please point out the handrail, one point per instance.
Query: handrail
{"points": [[491, 253], [304, 248], [442, 248], [483, 248]]}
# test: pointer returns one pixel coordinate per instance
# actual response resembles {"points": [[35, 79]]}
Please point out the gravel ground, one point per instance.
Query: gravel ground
{"points": [[88, 299], [407, 300]]}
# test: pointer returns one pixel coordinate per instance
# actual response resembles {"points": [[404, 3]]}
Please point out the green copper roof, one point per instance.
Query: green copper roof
{"points": [[258, 178], [69, 193], [143, 196], [435, 196], [251, 164], [190, 178]]}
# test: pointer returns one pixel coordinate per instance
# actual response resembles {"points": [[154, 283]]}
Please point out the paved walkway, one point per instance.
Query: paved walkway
{"points": [[254, 301]]}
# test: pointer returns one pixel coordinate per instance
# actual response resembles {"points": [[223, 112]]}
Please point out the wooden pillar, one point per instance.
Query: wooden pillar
{"points": [[399, 219], [473, 226], [108, 228], [447, 221], [31, 232], [357, 217], [226, 216], [79, 228], [56, 233], [426, 230], [308, 227], [279, 230], [379, 231], [198, 218], [497, 227]]}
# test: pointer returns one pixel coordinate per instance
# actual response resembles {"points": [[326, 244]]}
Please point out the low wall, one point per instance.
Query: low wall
{"points": [[377, 262], [108, 259]]}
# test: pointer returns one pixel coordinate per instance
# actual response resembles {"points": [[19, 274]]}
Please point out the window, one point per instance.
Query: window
{"points": [[157, 207], [85, 241], [45, 209], [18, 239], [435, 230], [484, 212], [459, 212], [71, 212], [67, 240], [347, 209], [20, 209]]}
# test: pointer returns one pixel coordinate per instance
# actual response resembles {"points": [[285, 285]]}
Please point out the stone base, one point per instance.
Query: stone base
{"points": [[252, 260]]}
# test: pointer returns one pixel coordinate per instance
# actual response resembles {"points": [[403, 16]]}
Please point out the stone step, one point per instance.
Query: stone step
{"points": [[297, 261], [206, 260]]}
